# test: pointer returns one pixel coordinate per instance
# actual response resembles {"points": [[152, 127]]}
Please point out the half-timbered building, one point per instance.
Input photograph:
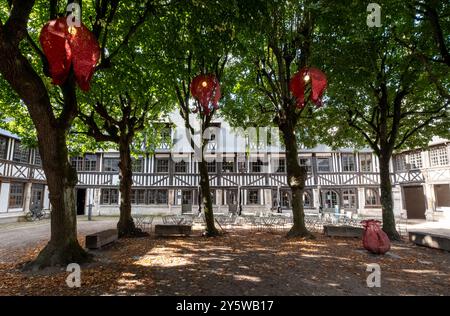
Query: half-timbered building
{"points": [[245, 176]]}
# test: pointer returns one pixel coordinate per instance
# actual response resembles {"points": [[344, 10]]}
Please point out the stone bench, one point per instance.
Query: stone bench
{"points": [[102, 238], [343, 231], [168, 230], [430, 240]]}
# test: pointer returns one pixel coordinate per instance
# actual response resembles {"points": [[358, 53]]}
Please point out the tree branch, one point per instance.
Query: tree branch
{"points": [[372, 144], [15, 28], [149, 8], [417, 128]]}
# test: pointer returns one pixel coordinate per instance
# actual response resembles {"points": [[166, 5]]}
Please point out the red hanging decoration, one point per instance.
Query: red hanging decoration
{"points": [[318, 82], [66, 46], [206, 91], [375, 239]]}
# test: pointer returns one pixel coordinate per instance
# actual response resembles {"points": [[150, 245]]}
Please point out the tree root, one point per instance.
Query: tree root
{"points": [[58, 255], [129, 230], [299, 233]]}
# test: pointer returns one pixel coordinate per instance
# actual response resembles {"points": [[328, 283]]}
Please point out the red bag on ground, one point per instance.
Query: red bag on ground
{"points": [[375, 239]]}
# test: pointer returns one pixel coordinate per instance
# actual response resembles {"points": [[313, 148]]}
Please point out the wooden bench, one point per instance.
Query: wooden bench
{"points": [[102, 238], [430, 240], [343, 231], [169, 230]]}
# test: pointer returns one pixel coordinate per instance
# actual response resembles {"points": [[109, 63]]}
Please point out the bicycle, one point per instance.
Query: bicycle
{"points": [[36, 213]]}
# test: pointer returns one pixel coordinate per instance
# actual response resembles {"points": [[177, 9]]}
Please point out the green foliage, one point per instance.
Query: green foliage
{"points": [[360, 61]]}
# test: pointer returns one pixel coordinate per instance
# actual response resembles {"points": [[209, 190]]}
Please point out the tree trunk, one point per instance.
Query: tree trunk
{"points": [[386, 198], [125, 226], [211, 230], [63, 247], [296, 177]]}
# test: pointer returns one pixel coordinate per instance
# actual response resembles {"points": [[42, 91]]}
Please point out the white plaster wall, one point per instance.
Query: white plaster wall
{"points": [[4, 197], [46, 199]]}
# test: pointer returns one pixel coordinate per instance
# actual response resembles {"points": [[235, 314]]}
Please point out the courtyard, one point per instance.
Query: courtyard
{"points": [[240, 262], [192, 148]]}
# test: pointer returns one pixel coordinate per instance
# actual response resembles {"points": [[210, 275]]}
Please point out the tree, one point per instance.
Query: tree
{"points": [[117, 118], [279, 43], [381, 89], [52, 109], [198, 39]]}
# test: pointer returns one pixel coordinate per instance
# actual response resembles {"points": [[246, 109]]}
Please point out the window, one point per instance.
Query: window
{"points": [[138, 165], [253, 197], [77, 163], [181, 167], [156, 197], [242, 166], [280, 166], [109, 196], [138, 196], [348, 163], [212, 166], [365, 162], [162, 165], [186, 198], [3, 147], [323, 165], [21, 153], [228, 166], [330, 199], [166, 138], [439, 156], [305, 162], [37, 158], [349, 198], [16, 195], [307, 200], [90, 163], [400, 163], [415, 160], [256, 166], [372, 197], [286, 198], [111, 164]]}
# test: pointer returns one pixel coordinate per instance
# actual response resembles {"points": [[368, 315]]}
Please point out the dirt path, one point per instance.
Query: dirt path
{"points": [[17, 239]]}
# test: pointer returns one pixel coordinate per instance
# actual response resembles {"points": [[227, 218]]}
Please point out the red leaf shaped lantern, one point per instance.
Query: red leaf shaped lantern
{"points": [[57, 50], [66, 46], [206, 90], [318, 85], [85, 54]]}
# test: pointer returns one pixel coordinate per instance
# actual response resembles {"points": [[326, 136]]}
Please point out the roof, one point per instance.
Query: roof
{"points": [[6, 133]]}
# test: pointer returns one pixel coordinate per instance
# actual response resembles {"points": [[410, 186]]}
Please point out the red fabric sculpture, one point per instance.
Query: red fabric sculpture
{"points": [[318, 85], [375, 239], [206, 90], [66, 46]]}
